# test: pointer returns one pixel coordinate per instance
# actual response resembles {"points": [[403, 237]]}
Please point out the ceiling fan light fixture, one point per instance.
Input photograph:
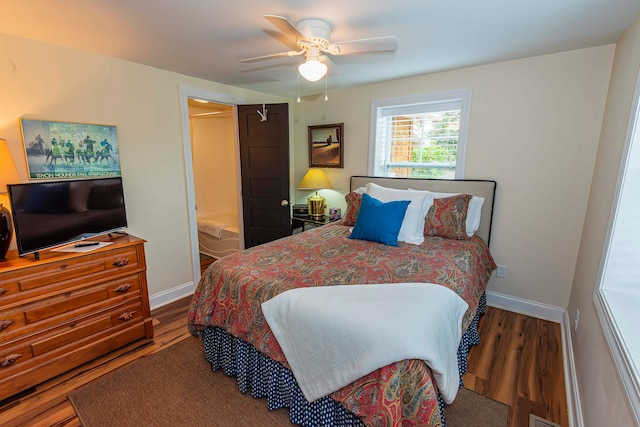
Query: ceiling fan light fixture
{"points": [[313, 40], [312, 69]]}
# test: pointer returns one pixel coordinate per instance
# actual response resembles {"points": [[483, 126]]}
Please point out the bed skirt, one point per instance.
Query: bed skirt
{"points": [[267, 378]]}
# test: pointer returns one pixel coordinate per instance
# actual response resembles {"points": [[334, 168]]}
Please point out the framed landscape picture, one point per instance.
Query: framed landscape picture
{"points": [[326, 146], [58, 150]]}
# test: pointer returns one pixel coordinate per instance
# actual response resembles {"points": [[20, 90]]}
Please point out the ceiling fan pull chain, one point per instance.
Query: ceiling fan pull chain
{"points": [[326, 97], [298, 100]]}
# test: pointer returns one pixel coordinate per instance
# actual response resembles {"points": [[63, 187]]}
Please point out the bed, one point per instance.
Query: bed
{"points": [[218, 234], [226, 309]]}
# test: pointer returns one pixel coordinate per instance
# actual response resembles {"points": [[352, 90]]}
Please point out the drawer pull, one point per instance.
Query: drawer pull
{"points": [[4, 324], [3, 291], [121, 262], [123, 288], [127, 316], [67, 294], [9, 359]]}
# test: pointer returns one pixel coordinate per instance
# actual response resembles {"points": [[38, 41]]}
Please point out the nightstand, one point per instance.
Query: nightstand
{"points": [[297, 222]]}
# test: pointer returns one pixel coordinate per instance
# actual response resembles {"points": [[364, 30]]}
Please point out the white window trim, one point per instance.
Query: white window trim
{"points": [[611, 320], [464, 95]]}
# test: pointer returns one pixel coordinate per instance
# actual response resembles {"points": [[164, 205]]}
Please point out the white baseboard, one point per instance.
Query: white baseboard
{"points": [[570, 378], [171, 295], [557, 315], [527, 307]]}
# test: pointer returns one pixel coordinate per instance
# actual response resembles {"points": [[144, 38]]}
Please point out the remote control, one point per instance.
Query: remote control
{"points": [[82, 245]]}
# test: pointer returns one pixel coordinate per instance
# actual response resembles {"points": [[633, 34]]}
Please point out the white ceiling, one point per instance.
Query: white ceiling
{"points": [[207, 38]]}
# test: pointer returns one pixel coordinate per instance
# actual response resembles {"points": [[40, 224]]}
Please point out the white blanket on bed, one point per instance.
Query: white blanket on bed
{"points": [[333, 335]]}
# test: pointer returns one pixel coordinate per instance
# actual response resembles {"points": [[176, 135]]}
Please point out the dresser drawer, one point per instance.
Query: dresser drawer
{"points": [[43, 279], [74, 333], [12, 357], [66, 306], [62, 303], [11, 321], [122, 287], [59, 272], [24, 352], [18, 320], [123, 260], [8, 288]]}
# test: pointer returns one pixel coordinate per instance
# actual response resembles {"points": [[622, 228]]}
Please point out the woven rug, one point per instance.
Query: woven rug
{"points": [[176, 387]]}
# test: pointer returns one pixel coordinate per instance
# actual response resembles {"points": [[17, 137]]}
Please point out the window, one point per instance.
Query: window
{"points": [[423, 136], [617, 297]]}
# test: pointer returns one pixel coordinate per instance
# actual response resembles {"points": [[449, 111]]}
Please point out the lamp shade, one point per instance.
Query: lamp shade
{"points": [[314, 179], [8, 171], [8, 175], [312, 69]]}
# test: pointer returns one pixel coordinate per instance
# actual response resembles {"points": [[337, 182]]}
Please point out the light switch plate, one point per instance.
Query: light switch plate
{"points": [[501, 272]]}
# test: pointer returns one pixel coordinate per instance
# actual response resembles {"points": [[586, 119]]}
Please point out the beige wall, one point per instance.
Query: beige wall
{"points": [[213, 142], [603, 398], [534, 128], [54, 83]]}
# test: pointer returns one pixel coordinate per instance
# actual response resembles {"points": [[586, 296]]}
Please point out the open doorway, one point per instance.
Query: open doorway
{"points": [[186, 93], [215, 176], [259, 200]]}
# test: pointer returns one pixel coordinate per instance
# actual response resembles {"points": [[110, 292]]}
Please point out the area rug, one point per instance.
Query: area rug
{"points": [[176, 387]]}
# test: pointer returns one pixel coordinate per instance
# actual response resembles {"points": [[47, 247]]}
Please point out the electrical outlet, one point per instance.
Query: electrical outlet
{"points": [[575, 327], [501, 271]]}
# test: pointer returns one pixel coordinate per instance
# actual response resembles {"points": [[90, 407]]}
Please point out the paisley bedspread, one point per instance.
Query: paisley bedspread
{"points": [[400, 394]]}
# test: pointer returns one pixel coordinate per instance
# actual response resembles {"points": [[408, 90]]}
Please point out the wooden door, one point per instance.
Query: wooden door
{"points": [[264, 162]]}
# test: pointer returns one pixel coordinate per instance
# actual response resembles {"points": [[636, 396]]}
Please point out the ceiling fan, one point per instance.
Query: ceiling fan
{"points": [[312, 38]]}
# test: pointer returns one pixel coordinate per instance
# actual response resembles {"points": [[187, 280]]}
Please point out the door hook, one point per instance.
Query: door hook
{"points": [[263, 114]]}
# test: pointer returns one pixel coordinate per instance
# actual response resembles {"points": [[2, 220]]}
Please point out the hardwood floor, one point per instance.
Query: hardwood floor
{"points": [[519, 362], [205, 261]]}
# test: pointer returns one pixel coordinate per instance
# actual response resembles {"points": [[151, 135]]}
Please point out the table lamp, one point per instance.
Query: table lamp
{"points": [[8, 175], [315, 179]]}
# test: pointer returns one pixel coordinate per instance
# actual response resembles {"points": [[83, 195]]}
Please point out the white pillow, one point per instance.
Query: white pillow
{"points": [[412, 229], [474, 213]]}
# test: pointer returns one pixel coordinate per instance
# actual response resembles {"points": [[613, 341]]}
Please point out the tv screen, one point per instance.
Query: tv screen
{"points": [[49, 214]]}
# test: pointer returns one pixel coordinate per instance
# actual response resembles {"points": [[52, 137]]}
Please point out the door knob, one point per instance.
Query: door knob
{"points": [[284, 203]]}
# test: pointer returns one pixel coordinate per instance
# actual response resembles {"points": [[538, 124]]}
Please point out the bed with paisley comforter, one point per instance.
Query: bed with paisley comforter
{"points": [[226, 310]]}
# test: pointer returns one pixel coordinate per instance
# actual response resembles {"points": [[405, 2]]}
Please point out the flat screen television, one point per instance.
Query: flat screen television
{"points": [[54, 213]]}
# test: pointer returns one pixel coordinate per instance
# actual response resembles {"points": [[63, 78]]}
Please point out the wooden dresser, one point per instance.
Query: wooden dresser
{"points": [[68, 308]]}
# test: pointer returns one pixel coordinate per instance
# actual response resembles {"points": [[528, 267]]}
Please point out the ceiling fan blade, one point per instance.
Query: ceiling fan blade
{"points": [[273, 56], [286, 27], [375, 44]]}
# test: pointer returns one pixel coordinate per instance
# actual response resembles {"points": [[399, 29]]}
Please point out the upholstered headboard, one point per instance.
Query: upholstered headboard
{"points": [[481, 188]]}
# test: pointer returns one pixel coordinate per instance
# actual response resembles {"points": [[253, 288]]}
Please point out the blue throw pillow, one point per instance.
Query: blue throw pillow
{"points": [[379, 222]]}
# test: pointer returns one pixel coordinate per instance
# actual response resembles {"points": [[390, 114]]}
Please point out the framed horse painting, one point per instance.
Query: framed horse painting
{"points": [[59, 150]]}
